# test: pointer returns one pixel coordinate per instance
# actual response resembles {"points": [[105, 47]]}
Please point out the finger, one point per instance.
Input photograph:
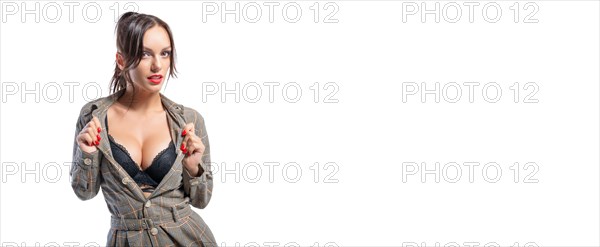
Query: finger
{"points": [[188, 128], [188, 144], [187, 133], [190, 147], [91, 132], [85, 137], [98, 126], [196, 145], [192, 128], [94, 125]]}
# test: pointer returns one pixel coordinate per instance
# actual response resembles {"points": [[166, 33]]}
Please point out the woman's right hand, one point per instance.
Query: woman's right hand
{"points": [[89, 136]]}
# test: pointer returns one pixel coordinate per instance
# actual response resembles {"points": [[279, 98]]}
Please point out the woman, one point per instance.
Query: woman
{"points": [[149, 154]]}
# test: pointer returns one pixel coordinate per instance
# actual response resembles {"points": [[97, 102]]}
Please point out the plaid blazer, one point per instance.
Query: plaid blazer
{"points": [[165, 218]]}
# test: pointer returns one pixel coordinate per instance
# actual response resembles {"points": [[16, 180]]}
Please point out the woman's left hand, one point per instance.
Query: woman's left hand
{"points": [[193, 149]]}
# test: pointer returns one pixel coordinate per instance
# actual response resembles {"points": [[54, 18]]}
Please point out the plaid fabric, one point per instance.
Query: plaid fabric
{"points": [[165, 218]]}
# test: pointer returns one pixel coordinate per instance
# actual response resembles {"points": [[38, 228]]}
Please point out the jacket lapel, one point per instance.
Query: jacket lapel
{"points": [[176, 121]]}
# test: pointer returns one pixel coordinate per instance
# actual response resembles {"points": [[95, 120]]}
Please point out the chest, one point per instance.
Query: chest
{"points": [[142, 138]]}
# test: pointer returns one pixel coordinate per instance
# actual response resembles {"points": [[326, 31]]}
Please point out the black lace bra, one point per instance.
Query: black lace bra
{"points": [[149, 178]]}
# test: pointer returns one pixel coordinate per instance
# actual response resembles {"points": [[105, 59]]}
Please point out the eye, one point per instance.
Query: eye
{"points": [[167, 53], [145, 53]]}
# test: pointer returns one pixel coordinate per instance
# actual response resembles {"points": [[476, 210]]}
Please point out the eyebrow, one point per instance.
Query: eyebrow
{"points": [[168, 47]]}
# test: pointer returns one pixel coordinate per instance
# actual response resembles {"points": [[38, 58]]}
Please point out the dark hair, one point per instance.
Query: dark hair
{"points": [[130, 31]]}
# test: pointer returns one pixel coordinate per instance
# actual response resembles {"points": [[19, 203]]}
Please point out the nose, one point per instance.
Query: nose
{"points": [[156, 64]]}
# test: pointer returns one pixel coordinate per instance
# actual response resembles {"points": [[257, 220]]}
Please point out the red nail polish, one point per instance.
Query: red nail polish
{"points": [[99, 130], [183, 133], [97, 143], [98, 137]]}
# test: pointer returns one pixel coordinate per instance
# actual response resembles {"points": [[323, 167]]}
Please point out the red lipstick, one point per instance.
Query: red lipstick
{"points": [[155, 79]]}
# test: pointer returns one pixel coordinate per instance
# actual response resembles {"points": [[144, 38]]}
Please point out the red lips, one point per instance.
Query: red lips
{"points": [[155, 79]]}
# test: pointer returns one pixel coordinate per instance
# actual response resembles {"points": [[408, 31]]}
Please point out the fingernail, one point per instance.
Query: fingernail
{"points": [[99, 130], [98, 137], [183, 133], [96, 143]]}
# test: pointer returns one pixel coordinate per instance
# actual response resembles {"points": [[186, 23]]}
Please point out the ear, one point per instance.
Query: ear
{"points": [[120, 61]]}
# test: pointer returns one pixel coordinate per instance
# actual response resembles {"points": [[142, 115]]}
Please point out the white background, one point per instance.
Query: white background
{"points": [[369, 133]]}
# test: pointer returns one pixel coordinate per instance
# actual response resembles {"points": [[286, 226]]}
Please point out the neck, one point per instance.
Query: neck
{"points": [[142, 102]]}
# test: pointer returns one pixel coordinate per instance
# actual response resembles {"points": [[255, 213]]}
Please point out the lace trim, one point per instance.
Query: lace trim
{"points": [[129, 155], [160, 154], [122, 148]]}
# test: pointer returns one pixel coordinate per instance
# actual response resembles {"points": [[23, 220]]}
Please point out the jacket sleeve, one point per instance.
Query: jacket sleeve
{"points": [[85, 169], [200, 188]]}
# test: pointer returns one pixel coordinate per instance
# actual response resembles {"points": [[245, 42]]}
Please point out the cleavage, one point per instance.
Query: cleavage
{"points": [[130, 157]]}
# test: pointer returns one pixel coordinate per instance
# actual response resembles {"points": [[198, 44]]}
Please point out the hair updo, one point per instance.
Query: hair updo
{"points": [[130, 31]]}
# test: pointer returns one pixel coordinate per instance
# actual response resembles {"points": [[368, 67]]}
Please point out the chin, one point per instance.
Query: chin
{"points": [[155, 88], [151, 88]]}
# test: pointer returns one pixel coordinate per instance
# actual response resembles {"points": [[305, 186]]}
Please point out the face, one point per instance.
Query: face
{"points": [[151, 72]]}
